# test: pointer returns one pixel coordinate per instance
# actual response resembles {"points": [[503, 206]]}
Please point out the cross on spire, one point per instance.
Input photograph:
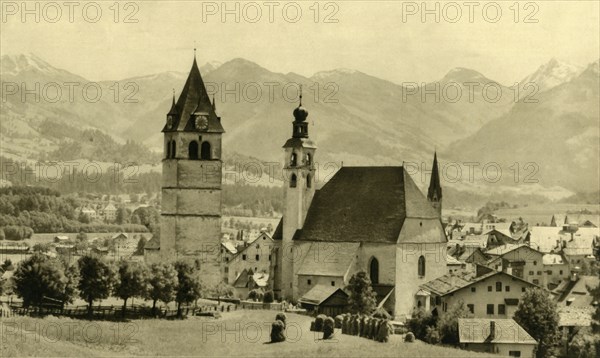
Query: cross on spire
{"points": [[300, 95]]}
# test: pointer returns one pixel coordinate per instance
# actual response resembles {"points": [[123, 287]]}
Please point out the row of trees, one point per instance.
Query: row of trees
{"points": [[92, 278]]}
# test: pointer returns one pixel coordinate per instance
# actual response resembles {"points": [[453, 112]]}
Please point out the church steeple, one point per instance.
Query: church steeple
{"points": [[434, 194], [194, 101], [299, 171], [300, 126]]}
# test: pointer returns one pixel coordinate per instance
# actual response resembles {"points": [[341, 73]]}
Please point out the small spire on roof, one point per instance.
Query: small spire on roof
{"points": [[173, 109], [214, 106], [300, 96]]}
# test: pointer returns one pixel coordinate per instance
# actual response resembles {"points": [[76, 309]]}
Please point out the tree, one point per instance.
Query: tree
{"points": [[81, 236], [140, 246], [447, 325], [537, 314], [122, 216], [7, 265], [96, 279], [162, 284], [362, 298], [38, 277], [2, 235], [188, 284], [133, 282]]}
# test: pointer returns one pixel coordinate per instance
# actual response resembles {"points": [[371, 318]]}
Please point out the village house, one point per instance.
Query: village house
{"points": [[247, 281], [455, 266], [254, 255], [504, 337], [91, 213], [557, 269], [486, 293], [519, 260], [328, 300], [577, 244], [109, 213]]}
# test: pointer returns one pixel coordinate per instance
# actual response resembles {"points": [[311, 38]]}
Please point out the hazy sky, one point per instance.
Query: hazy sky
{"points": [[370, 36]]}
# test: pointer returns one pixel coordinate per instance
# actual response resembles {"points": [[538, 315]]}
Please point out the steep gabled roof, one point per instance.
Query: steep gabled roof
{"points": [[194, 99], [278, 233], [365, 204], [318, 262]]}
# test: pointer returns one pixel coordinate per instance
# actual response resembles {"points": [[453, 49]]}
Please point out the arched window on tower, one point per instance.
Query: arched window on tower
{"points": [[308, 159], [205, 151], [293, 160], [168, 149], [193, 150], [308, 181], [421, 266], [173, 149], [374, 271], [293, 181]]}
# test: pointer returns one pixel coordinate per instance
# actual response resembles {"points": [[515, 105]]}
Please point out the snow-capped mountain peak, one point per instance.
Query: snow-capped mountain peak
{"points": [[552, 74]]}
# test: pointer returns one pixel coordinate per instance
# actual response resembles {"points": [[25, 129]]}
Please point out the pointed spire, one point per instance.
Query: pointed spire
{"points": [[435, 188], [173, 109], [214, 106], [300, 105]]}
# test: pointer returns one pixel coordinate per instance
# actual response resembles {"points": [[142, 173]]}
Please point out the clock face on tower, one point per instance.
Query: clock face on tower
{"points": [[201, 122]]}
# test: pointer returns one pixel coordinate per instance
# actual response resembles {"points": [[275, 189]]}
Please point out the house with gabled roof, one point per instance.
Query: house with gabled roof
{"points": [[486, 293], [496, 335], [255, 255], [323, 299], [519, 260]]}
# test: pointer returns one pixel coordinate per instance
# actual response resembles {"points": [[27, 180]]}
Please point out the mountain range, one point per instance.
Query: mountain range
{"points": [[354, 117]]}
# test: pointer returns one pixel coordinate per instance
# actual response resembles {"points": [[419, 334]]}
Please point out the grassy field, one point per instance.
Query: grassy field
{"points": [[240, 333]]}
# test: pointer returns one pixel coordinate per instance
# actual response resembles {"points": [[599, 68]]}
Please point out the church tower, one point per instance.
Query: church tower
{"points": [[299, 188], [190, 227], [434, 194]]}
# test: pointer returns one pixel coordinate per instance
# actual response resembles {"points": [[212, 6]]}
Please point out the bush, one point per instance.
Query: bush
{"points": [[277, 332], [268, 297], [319, 322], [254, 295], [419, 322], [410, 337], [432, 336], [281, 317], [383, 331], [328, 327]]}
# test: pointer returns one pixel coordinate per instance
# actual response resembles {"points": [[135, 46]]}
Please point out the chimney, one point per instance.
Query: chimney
{"points": [[492, 330]]}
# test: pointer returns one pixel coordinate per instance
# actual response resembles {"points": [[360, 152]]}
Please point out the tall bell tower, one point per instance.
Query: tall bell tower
{"points": [[299, 188], [190, 227]]}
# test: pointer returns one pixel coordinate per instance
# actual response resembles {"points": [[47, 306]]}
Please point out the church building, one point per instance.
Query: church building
{"points": [[372, 219]]}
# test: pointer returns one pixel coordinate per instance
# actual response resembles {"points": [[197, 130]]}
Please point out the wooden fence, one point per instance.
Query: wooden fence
{"points": [[116, 312]]}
